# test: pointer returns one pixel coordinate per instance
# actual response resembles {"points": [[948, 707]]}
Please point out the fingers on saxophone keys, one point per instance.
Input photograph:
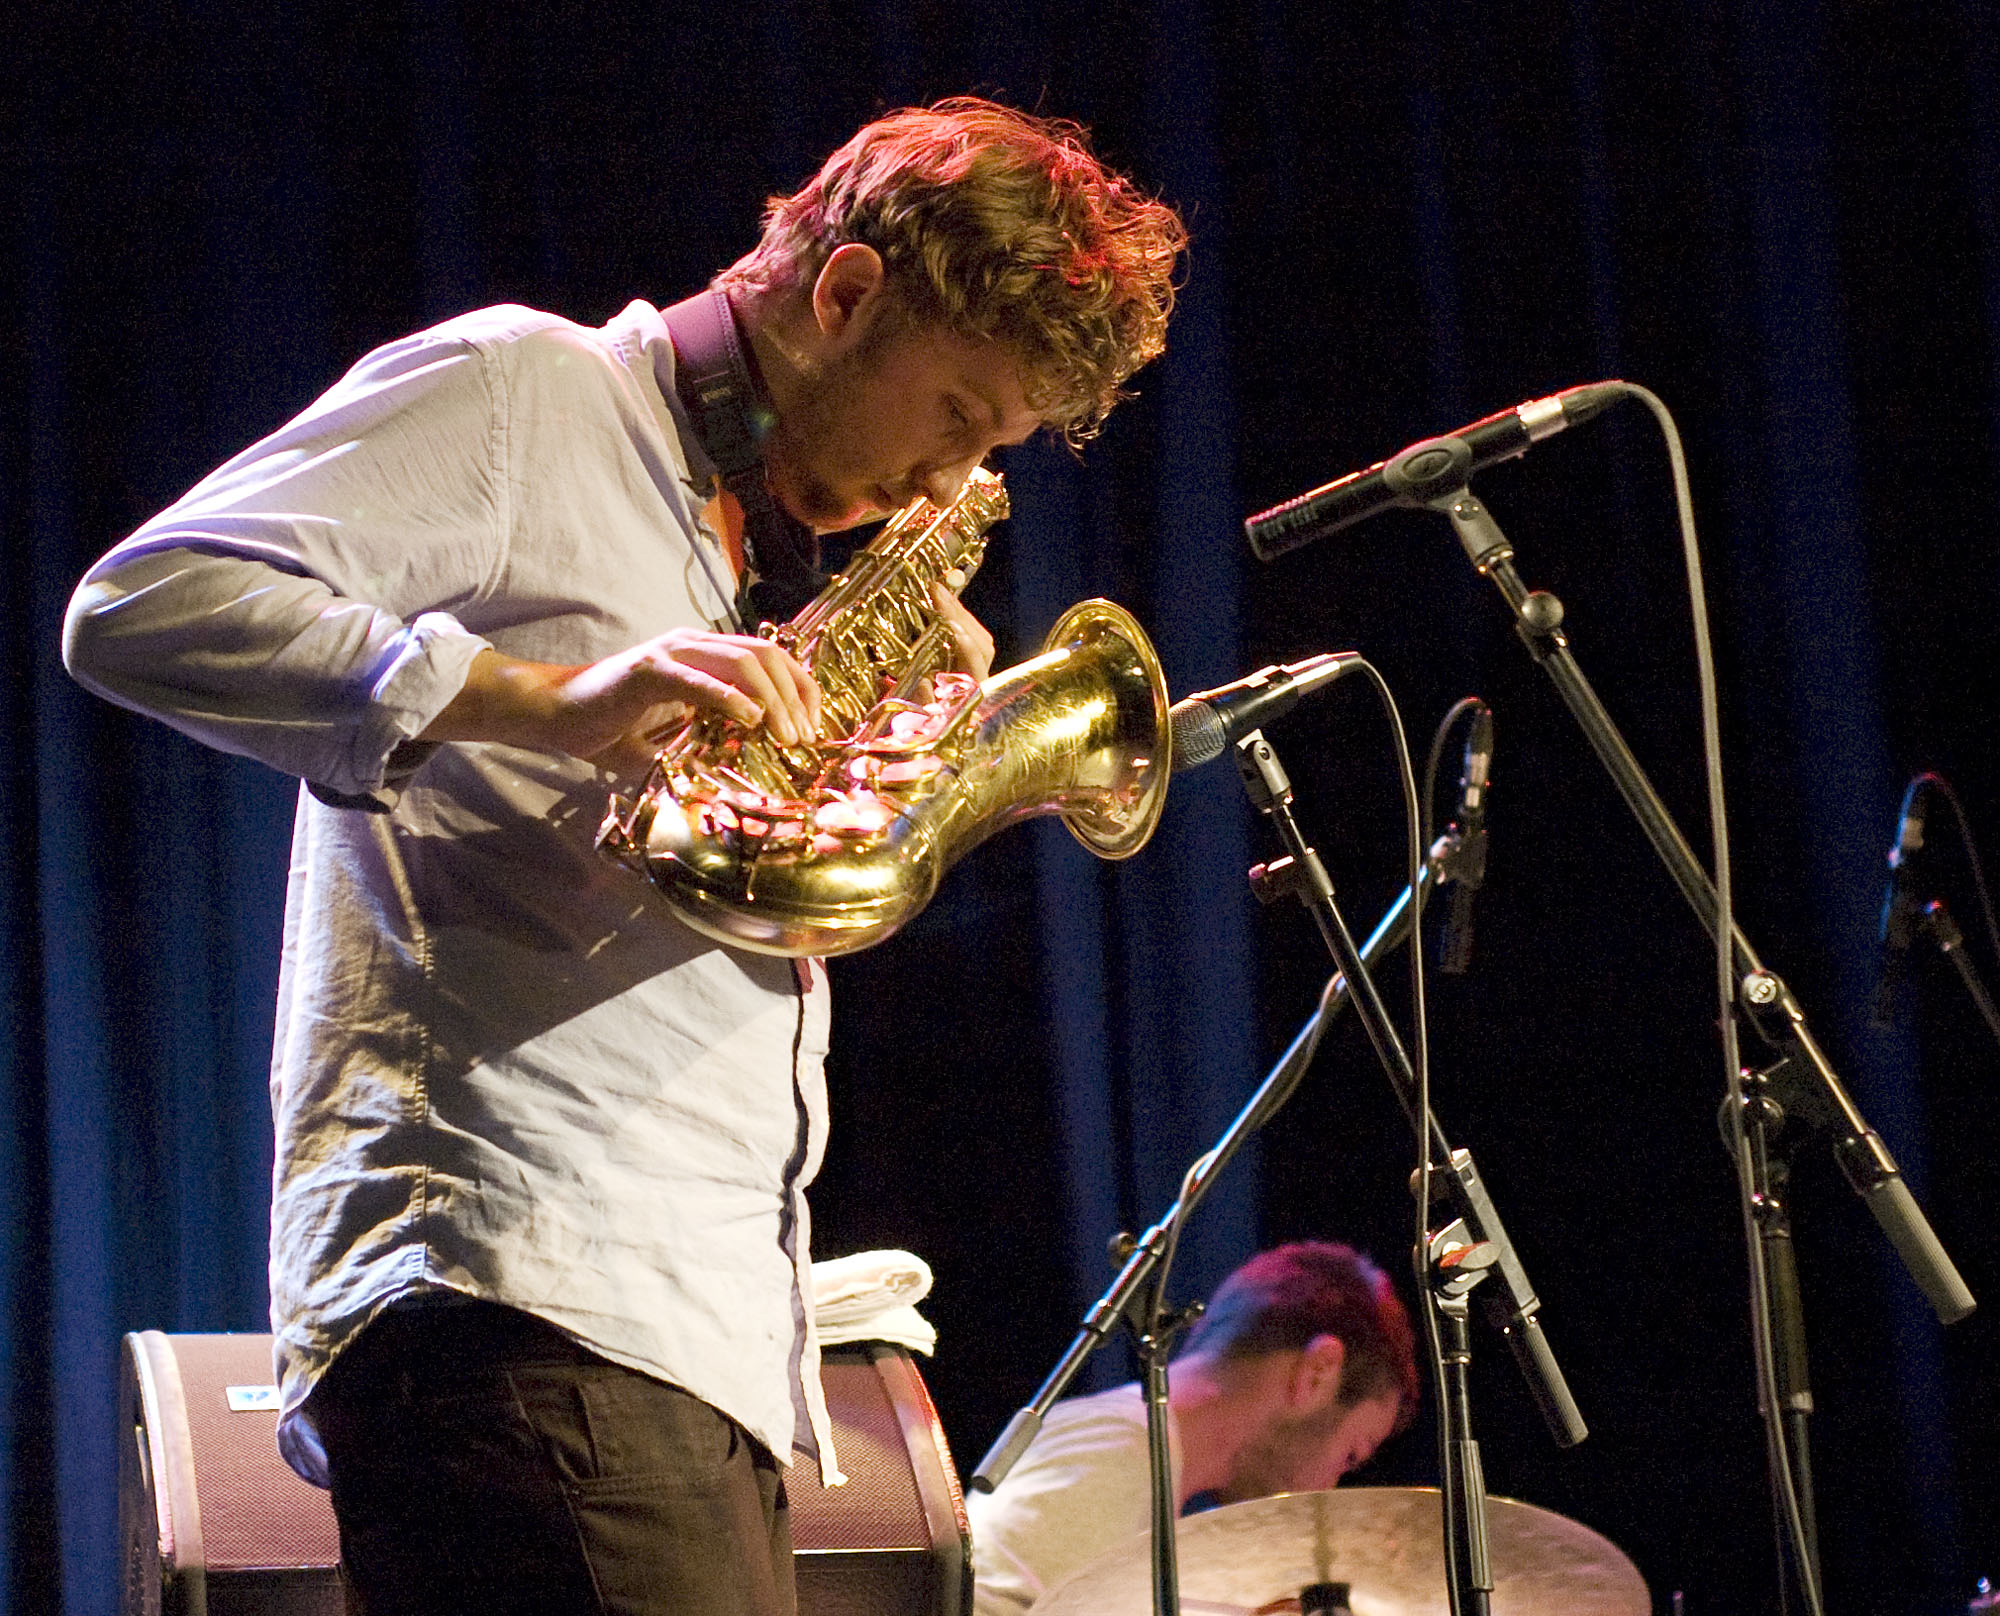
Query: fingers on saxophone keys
{"points": [[805, 690], [795, 693], [660, 722], [713, 692], [971, 643], [784, 714], [727, 674], [954, 632]]}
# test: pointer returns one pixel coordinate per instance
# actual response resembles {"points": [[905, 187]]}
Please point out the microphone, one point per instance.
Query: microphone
{"points": [[1424, 470], [1465, 864], [1208, 723], [1902, 906]]}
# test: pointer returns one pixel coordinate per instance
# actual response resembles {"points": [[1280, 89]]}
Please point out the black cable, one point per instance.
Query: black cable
{"points": [[1416, 825], [1435, 756], [1433, 1341], [1416, 817], [1316, 1028]]}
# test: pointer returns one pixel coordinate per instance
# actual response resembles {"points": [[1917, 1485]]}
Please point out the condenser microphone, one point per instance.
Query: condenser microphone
{"points": [[1424, 470], [1900, 907], [1208, 723], [1467, 868], [1902, 904]]}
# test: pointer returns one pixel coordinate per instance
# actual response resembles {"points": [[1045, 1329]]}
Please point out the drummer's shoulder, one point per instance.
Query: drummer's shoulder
{"points": [[1082, 1440], [1118, 1413], [1079, 1488]]}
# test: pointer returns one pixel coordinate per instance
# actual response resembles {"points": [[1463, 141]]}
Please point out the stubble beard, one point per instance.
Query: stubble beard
{"points": [[1274, 1456], [792, 451], [822, 404]]}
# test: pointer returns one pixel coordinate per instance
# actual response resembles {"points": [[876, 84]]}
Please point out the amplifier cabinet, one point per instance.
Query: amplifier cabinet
{"points": [[213, 1523], [894, 1540]]}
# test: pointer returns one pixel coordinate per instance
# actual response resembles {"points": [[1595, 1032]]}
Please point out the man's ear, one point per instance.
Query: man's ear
{"points": [[845, 291], [1316, 1376]]}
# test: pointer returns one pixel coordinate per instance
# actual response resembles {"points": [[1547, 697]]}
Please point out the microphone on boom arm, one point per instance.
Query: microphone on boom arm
{"points": [[1425, 469]]}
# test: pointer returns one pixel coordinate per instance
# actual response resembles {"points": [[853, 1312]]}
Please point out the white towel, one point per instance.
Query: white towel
{"points": [[872, 1296]]}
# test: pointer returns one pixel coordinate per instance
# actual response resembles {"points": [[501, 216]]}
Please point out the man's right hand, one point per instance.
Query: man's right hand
{"points": [[613, 710]]}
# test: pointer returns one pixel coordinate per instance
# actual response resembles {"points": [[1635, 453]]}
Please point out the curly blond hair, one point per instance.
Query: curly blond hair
{"points": [[993, 224]]}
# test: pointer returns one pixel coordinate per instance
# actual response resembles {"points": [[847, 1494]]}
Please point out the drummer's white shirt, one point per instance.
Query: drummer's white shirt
{"points": [[1083, 1486], [501, 1068]]}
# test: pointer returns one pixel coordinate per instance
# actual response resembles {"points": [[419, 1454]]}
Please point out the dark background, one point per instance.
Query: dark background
{"points": [[1782, 216]]}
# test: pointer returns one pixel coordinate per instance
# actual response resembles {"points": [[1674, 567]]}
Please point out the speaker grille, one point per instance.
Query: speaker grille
{"points": [[255, 1514], [880, 1505]]}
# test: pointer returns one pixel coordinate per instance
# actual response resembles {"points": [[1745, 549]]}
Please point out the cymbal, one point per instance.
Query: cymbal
{"points": [[1387, 1543]]}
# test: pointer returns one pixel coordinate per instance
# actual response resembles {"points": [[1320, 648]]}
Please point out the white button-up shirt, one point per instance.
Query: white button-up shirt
{"points": [[501, 1068]]}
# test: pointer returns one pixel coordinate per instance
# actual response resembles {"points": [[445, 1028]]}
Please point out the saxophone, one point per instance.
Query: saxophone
{"points": [[829, 846]]}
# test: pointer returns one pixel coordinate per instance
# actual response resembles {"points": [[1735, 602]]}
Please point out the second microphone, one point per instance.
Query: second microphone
{"points": [[1208, 723]]}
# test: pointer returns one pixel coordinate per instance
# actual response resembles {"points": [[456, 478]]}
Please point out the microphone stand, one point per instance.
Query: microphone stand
{"points": [[1801, 1080], [1133, 1297], [1803, 1076], [1760, 1120], [1453, 1263], [1516, 1314]]}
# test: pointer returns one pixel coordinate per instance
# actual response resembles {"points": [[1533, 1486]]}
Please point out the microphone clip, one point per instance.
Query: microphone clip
{"points": [[1429, 471], [1263, 775], [1459, 856], [1281, 877]]}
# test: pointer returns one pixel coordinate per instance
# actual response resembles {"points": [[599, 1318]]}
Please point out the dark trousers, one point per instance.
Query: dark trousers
{"points": [[484, 1462]]}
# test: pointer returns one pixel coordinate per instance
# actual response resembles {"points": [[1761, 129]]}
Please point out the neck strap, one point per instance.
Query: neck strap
{"points": [[715, 380], [713, 377]]}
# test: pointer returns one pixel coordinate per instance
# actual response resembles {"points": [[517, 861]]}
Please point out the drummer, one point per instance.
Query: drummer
{"points": [[1301, 1368]]}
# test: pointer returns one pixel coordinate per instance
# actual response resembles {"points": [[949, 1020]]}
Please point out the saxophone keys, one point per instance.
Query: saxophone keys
{"points": [[855, 815], [909, 771]]}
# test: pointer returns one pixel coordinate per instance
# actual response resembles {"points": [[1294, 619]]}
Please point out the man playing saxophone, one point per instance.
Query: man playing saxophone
{"points": [[538, 1220]]}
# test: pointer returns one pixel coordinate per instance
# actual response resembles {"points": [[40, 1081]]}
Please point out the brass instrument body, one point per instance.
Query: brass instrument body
{"points": [[829, 847]]}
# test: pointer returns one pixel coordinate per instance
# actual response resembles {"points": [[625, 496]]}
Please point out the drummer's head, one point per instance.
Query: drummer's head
{"points": [[1313, 1364]]}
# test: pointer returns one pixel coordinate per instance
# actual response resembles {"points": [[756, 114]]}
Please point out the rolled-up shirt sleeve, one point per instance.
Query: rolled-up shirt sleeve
{"points": [[302, 605]]}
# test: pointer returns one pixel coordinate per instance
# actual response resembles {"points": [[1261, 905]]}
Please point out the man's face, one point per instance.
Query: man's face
{"points": [[894, 411], [1307, 1452]]}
